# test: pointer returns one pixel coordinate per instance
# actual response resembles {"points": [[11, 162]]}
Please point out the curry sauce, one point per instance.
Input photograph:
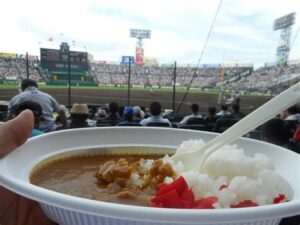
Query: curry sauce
{"points": [[102, 177]]}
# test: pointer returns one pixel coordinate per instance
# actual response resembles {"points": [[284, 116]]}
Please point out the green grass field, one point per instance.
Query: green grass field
{"points": [[43, 86], [139, 96], [147, 89]]}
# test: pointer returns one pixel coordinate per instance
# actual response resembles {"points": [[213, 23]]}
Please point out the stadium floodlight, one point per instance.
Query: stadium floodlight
{"points": [[284, 24], [139, 33], [284, 21]]}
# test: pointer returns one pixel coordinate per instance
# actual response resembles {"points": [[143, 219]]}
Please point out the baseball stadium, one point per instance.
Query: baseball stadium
{"points": [[62, 91]]}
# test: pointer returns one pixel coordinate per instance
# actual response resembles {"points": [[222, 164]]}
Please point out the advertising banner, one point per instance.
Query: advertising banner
{"points": [[100, 62], [139, 56], [241, 65], [167, 65], [127, 59], [8, 55], [293, 62], [270, 64], [211, 65], [151, 61]]}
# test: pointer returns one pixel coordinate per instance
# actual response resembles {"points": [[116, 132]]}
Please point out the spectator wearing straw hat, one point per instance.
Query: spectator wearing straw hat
{"points": [[79, 116]]}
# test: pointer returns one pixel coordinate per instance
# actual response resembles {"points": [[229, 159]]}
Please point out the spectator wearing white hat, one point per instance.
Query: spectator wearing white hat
{"points": [[139, 114]]}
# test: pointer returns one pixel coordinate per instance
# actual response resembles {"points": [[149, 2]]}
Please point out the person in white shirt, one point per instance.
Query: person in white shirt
{"points": [[156, 117], [291, 114], [223, 112], [195, 114]]}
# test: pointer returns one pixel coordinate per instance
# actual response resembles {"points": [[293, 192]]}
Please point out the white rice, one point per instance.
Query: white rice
{"points": [[145, 166], [248, 178], [168, 180], [135, 180], [177, 167]]}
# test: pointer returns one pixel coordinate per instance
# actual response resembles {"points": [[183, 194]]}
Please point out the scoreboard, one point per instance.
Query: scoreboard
{"points": [[56, 62]]}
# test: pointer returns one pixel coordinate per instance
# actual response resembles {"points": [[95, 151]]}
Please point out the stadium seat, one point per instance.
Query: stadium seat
{"points": [[195, 127], [3, 108], [223, 124], [174, 125], [291, 126], [3, 112], [3, 116], [129, 125], [174, 118], [254, 134], [103, 125], [158, 125], [210, 122], [203, 114], [294, 146], [107, 121], [195, 120]]}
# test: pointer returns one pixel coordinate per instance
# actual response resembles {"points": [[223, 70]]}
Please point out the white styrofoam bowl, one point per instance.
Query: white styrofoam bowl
{"points": [[64, 209]]}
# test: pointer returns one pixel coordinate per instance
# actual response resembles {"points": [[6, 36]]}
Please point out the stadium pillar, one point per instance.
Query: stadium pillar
{"points": [[129, 74], [27, 66], [174, 88], [65, 53], [69, 80]]}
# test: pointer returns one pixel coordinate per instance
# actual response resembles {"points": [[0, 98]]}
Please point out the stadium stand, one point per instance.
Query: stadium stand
{"points": [[150, 75], [266, 79], [271, 80], [16, 69]]}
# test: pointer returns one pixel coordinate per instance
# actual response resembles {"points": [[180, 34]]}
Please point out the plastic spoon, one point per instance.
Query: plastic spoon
{"points": [[194, 160]]}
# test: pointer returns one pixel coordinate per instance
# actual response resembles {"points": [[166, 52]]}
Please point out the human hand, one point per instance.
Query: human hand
{"points": [[15, 209]]}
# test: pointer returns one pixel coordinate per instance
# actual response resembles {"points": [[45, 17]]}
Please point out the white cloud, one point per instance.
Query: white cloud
{"points": [[243, 29]]}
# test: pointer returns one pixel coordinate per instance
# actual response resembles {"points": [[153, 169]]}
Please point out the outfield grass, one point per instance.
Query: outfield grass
{"points": [[178, 89], [7, 86], [163, 89]]}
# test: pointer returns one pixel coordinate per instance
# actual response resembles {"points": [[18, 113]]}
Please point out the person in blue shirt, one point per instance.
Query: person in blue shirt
{"points": [[128, 114]]}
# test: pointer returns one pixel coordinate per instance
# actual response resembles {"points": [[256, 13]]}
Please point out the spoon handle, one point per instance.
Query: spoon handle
{"points": [[262, 114]]}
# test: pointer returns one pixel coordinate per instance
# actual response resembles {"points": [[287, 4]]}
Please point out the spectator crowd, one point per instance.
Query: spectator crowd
{"points": [[50, 116], [16, 69], [266, 79]]}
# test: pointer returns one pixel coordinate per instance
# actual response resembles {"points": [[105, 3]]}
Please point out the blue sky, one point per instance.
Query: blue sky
{"points": [[243, 31]]}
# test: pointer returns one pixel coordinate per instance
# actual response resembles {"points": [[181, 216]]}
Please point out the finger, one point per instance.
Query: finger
{"points": [[15, 132]]}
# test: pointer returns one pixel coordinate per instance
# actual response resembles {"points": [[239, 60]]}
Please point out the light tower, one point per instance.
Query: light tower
{"points": [[139, 50], [285, 25]]}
